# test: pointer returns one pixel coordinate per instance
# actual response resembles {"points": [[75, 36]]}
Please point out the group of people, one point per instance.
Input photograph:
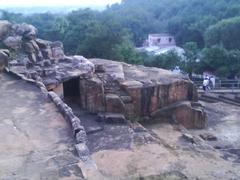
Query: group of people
{"points": [[208, 83]]}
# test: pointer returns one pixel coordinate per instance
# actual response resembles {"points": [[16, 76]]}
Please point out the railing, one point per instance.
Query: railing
{"points": [[221, 84]]}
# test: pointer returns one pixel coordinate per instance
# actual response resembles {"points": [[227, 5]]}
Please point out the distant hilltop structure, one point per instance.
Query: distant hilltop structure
{"points": [[161, 40], [157, 44]]}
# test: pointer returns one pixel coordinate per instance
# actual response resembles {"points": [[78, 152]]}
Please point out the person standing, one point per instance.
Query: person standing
{"points": [[205, 83]]}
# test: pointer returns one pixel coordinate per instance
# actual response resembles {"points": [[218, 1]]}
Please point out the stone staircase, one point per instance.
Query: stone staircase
{"points": [[229, 98]]}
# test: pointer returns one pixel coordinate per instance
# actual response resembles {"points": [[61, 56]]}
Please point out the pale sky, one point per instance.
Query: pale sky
{"points": [[35, 3]]}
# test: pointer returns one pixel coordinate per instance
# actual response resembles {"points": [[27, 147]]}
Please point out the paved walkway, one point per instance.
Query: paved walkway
{"points": [[36, 142]]}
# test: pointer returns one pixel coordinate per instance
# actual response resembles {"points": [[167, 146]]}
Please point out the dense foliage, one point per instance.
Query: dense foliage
{"points": [[207, 30]]}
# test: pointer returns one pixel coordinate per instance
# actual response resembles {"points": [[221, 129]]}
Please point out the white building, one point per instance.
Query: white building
{"points": [[158, 44], [160, 40]]}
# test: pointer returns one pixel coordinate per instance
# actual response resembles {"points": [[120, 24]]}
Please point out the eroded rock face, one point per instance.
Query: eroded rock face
{"points": [[23, 37]]}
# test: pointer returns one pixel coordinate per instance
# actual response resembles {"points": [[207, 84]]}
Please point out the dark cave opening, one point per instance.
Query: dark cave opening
{"points": [[71, 89]]}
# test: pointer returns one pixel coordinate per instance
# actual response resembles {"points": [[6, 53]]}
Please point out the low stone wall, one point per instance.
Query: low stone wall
{"points": [[78, 131]]}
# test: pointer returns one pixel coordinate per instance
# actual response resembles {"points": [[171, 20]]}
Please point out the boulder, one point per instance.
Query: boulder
{"points": [[32, 50], [57, 50], [5, 28], [14, 42], [43, 44], [45, 47], [114, 104], [25, 30], [30, 47], [82, 63]]}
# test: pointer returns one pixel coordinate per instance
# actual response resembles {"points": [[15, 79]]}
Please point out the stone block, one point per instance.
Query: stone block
{"points": [[81, 136], [184, 113], [112, 118], [82, 150], [114, 104], [92, 95]]}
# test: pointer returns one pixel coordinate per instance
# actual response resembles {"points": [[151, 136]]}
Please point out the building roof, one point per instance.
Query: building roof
{"points": [[161, 34]]}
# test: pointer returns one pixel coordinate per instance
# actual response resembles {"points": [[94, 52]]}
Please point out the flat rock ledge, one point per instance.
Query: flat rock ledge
{"points": [[78, 131]]}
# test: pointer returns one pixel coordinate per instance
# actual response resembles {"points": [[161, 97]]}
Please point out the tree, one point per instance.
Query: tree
{"points": [[167, 60], [225, 32], [191, 56], [215, 59], [234, 63], [127, 53]]}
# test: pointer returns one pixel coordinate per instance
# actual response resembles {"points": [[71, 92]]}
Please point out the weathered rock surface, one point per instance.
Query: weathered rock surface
{"points": [[36, 141]]}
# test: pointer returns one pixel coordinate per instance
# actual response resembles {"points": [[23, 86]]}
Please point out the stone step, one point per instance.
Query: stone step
{"points": [[126, 99], [237, 97], [230, 97], [216, 97], [207, 99], [112, 118], [229, 102]]}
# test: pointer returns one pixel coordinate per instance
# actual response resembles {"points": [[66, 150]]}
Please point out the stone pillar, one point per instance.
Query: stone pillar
{"points": [[92, 95], [134, 89]]}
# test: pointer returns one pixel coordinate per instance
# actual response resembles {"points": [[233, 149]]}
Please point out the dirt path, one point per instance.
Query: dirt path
{"points": [[36, 142]]}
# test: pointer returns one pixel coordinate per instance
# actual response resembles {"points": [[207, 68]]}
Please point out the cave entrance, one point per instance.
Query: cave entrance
{"points": [[71, 90]]}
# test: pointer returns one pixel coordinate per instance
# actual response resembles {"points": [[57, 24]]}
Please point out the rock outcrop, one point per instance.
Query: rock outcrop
{"points": [[4, 56], [23, 38], [142, 93], [102, 86]]}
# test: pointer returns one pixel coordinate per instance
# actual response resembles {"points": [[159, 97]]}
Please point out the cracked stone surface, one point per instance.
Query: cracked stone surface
{"points": [[169, 156], [36, 142], [224, 124]]}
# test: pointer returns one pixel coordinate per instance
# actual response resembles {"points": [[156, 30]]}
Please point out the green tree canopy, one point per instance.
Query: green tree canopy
{"points": [[225, 32]]}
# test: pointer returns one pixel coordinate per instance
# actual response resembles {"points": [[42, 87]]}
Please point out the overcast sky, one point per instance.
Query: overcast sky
{"points": [[52, 3]]}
